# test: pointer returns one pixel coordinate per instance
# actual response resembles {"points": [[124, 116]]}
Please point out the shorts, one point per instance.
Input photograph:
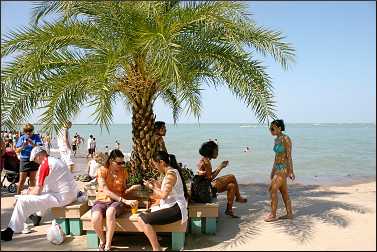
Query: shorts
{"points": [[74, 148], [103, 206], [27, 166], [162, 216], [90, 151], [65, 156]]}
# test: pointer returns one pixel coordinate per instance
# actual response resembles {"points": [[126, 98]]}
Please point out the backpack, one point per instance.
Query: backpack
{"points": [[201, 189]]}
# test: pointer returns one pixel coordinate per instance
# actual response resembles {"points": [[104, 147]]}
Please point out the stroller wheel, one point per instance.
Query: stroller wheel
{"points": [[12, 188]]}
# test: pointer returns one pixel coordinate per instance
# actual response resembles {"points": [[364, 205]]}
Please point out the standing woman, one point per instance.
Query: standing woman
{"points": [[110, 201], [24, 145], [281, 169], [210, 150], [172, 194]]}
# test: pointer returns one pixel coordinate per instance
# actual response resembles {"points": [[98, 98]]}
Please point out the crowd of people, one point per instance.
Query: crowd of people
{"points": [[55, 185]]}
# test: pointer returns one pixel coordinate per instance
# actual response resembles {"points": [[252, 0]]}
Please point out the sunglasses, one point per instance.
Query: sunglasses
{"points": [[120, 163]]}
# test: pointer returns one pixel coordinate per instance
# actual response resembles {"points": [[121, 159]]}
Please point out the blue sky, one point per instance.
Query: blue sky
{"points": [[333, 79]]}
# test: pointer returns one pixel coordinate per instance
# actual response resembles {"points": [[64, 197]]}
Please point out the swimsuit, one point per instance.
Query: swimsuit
{"points": [[279, 149]]}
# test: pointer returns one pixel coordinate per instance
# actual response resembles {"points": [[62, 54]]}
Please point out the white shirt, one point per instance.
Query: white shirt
{"points": [[58, 179], [93, 166], [175, 196], [89, 142], [93, 144]]}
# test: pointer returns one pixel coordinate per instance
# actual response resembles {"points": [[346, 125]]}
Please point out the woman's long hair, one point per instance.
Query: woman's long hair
{"points": [[170, 160], [113, 155]]}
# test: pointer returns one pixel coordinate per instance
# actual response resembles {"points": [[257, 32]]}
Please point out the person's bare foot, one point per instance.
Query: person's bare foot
{"points": [[287, 216], [241, 200], [231, 214], [270, 218]]}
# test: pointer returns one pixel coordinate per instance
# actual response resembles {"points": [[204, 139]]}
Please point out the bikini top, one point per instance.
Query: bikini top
{"points": [[278, 147]]}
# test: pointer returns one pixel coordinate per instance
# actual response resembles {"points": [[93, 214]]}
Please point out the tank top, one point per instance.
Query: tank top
{"points": [[175, 196]]}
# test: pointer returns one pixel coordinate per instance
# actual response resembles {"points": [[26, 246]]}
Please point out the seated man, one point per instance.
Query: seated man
{"points": [[55, 188]]}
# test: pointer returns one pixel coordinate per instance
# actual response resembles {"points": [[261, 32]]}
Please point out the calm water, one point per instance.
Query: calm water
{"points": [[322, 153]]}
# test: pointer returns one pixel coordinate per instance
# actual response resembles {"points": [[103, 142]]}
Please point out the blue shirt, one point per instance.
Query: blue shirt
{"points": [[25, 153]]}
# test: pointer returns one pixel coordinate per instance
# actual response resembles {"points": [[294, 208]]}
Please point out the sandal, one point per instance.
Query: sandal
{"points": [[107, 248]]}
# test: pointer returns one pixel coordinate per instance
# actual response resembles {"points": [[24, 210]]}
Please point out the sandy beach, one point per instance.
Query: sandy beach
{"points": [[325, 218]]}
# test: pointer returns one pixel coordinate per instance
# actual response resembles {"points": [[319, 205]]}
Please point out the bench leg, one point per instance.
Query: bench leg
{"points": [[75, 226], [92, 240], [210, 225], [177, 240], [64, 223], [196, 225]]}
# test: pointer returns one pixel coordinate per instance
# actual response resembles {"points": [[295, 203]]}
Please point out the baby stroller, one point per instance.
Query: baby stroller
{"points": [[11, 165]]}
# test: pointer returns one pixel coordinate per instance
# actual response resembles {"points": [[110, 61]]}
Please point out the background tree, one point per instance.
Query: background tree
{"points": [[98, 53]]}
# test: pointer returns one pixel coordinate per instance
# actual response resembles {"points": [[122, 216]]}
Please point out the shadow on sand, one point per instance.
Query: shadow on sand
{"points": [[309, 207]]}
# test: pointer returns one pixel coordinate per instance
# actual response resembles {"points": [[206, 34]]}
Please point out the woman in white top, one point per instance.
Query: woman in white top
{"points": [[172, 195]]}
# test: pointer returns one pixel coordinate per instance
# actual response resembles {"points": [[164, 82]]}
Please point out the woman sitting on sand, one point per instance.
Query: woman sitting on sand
{"points": [[210, 150], [112, 179], [282, 168], [172, 194]]}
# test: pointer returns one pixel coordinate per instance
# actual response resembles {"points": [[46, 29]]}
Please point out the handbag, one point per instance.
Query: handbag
{"points": [[201, 189]]}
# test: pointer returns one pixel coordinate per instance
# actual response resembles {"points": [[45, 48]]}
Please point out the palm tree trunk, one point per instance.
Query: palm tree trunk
{"points": [[143, 139]]}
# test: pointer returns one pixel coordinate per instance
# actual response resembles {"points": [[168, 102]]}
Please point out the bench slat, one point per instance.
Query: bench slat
{"points": [[126, 223]]}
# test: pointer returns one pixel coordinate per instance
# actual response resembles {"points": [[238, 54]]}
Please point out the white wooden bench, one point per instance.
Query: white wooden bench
{"points": [[203, 217], [127, 223]]}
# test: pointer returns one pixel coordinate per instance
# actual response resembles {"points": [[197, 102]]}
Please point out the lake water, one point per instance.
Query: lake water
{"points": [[322, 153]]}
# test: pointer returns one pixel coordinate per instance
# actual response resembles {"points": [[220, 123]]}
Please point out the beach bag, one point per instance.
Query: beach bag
{"points": [[201, 189], [55, 234]]}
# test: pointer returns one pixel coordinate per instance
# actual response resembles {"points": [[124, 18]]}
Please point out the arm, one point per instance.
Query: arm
{"points": [[66, 140], [36, 190], [88, 168], [273, 169], [163, 194], [288, 146], [219, 168], [20, 145]]}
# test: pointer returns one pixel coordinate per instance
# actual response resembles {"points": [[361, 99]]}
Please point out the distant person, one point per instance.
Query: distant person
{"points": [[24, 145], [55, 188], [47, 143], [247, 149], [159, 133], [88, 143], [210, 150], [74, 145], [94, 164], [93, 146], [65, 147], [117, 145], [107, 150], [282, 168]]}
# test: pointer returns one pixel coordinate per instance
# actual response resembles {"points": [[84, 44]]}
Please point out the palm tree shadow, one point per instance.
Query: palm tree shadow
{"points": [[310, 205]]}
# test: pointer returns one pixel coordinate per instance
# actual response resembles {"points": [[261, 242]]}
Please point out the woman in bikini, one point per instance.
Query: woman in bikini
{"points": [[210, 150], [281, 169]]}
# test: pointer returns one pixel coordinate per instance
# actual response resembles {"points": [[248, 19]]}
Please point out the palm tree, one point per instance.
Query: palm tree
{"points": [[100, 53]]}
